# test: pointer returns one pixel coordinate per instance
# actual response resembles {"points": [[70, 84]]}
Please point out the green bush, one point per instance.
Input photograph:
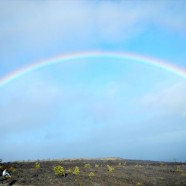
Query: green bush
{"points": [[68, 171], [138, 184], [96, 166], [179, 169], [76, 170], [110, 168], [37, 165], [12, 169], [91, 174], [87, 165], [59, 170]]}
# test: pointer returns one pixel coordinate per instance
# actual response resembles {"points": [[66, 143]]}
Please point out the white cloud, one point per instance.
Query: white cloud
{"points": [[33, 30], [82, 20]]}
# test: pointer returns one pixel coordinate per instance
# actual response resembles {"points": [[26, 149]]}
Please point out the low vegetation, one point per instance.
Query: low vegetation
{"points": [[110, 168], [12, 169], [96, 172], [91, 174], [37, 165], [87, 165], [76, 171], [138, 184], [59, 170], [96, 166], [68, 171]]}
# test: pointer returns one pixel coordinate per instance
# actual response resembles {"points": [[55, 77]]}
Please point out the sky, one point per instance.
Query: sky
{"points": [[92, 107]]}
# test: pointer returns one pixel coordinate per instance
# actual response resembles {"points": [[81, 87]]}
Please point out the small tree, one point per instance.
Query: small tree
{"points": [[59, 170], [110, 168], [76, 170], [91, 174], [96, 166], [37, 165], [87, 165], [68, 171]]}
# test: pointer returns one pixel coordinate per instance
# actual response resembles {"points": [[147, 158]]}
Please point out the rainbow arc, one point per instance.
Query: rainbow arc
{"points": [[89, 55]]}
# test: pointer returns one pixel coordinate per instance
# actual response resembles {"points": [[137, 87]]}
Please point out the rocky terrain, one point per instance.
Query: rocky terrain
{"points": [[95, 172]]}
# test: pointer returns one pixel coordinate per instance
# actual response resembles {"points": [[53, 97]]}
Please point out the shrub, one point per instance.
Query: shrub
{"points": [[68, 171], [12, 169], [37, 165], [138, 184], [110, 168], [122, 163], [91, 174], [59, 170], [178, 169], [96, 166], [87, 165], [76, 170]]}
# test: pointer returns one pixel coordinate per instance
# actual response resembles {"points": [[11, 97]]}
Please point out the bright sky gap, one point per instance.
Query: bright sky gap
{"points": [[110, 55]]}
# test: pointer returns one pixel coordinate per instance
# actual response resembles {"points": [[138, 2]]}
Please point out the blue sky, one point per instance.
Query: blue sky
{"points": [[89, 108]]}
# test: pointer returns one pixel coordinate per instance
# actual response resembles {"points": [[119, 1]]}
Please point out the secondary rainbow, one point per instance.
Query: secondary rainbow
{"points": [[87, 55]]}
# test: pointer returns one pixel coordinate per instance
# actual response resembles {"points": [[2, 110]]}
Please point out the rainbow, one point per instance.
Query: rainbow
{"points": [[87, 55]]}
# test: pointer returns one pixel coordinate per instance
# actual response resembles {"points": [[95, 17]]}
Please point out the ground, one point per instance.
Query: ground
{"points": [[124, 173]]}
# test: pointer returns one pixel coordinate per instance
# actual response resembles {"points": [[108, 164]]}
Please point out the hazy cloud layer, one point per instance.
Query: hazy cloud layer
{"points": [[46, 28]]}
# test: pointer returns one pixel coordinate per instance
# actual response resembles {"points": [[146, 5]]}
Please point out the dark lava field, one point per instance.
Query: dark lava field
{"points": [[95, 172]]}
